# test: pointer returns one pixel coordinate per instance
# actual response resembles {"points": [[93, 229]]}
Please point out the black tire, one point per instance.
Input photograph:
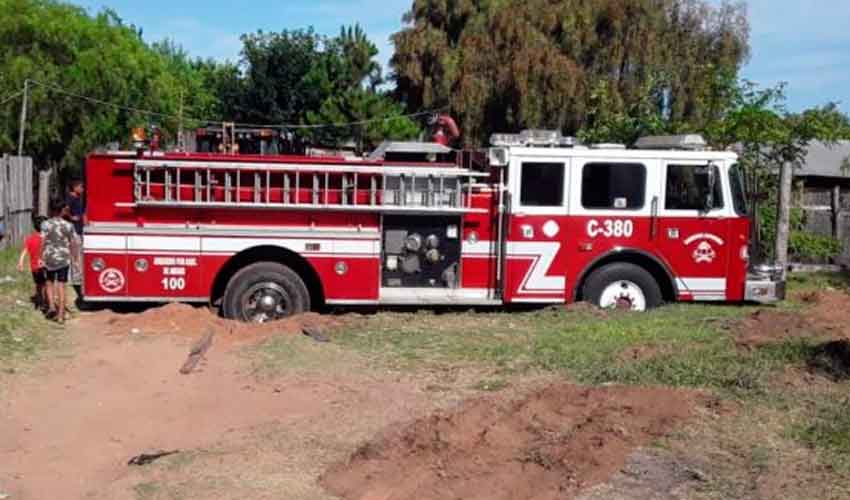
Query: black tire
{"points": [[596, 284], [265, 279]]}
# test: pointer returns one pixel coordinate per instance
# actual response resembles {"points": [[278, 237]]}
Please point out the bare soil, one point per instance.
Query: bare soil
{"points": [[186, 320], [826, 317], [69, 425], [69, 428], [550, 444]]}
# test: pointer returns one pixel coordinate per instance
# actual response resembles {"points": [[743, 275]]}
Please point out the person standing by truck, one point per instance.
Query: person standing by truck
{"points": [[77, 209], [59, 251], [32, 250]]}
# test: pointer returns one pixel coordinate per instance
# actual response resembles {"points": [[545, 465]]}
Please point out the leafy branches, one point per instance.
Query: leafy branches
{"points": [[99, 57], [607, 68]]}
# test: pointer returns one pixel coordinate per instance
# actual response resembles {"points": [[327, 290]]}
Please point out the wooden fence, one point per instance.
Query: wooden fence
{"points": [[827, 209], [16, 198]]}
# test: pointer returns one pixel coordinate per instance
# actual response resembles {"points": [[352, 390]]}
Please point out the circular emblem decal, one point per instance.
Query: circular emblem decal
{"points": [[111, 280], [551, 229]]}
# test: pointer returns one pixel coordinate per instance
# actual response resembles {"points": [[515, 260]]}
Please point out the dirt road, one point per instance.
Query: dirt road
{"points": [[271, 413], [68, 433]]}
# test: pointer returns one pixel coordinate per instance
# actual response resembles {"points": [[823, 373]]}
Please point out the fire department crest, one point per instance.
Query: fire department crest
{"points": [[704, 252], [111, 280]]}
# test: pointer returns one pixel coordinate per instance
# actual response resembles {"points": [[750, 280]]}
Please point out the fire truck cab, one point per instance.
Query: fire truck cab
{"points": [[543, 220]]}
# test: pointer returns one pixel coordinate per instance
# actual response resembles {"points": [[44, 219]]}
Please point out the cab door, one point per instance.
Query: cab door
{"points": [[693, 238], [535, 257]]}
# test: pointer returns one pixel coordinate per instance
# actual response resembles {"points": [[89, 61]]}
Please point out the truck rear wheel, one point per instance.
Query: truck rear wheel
{"points": [[622, 286], [265, 291]]}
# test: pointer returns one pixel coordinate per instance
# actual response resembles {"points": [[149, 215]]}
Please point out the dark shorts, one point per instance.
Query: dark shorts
{"points": [[39, 277], [60, 275]]}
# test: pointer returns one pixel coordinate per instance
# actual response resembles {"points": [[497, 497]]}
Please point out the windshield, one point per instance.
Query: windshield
{"points": [[739, 193]]}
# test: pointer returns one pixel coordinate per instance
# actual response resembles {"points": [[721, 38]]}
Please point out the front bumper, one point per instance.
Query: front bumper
{"points": [[764, 291]]}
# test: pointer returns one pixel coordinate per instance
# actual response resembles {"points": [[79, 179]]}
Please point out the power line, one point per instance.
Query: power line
{"points": [[340, 125], [289, 126], [102, 102]]}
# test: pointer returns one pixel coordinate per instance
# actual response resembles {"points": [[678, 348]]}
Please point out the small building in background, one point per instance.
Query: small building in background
{"points": [[825, 180]]}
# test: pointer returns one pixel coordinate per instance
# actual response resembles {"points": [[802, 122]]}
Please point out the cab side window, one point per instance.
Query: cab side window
{"points": [[613, 186], [687, 187], [542, 185]]}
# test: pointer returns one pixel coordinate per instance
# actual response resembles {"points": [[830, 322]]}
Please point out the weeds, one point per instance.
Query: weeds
{"points": [[686, 345], [24, 333], [828, 430]]}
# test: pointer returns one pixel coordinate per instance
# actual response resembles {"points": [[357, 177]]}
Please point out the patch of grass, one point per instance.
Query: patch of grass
{"points": [[828, 430], [684, 345], [492, 385], [282, 353], [692, 347], [147, 490], [715, 364], [807, 282], [24, 333]]}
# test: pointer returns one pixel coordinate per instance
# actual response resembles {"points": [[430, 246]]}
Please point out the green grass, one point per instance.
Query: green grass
{"points": [[828, 429], [805, 282], [682, 345], [24, 333]]}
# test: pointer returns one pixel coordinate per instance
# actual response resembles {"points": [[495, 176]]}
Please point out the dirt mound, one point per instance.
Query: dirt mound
{"points": [[826, 317], [183, 319], [548, 445], [831, 313]]}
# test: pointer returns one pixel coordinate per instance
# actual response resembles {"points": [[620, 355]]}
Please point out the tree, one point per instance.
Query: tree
{"points": [[349, 77], [64, 49], [276, 85], [772, 140], [504, 65], [382, 117], [302, 78]]}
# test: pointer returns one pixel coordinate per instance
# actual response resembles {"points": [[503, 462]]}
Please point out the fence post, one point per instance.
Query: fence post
{"points": [[16, 198], [836, 212], [43, 191], [4, 216]]}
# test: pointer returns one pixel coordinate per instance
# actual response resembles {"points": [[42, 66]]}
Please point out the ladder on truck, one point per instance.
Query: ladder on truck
{"points": [[342, 187]]}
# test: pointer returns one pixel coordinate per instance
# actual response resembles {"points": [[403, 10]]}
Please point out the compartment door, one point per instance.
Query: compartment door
{"points": [[535, 263]]}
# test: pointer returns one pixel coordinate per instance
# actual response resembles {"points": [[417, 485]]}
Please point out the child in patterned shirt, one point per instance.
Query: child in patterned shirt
{"points": [[58, 253]]}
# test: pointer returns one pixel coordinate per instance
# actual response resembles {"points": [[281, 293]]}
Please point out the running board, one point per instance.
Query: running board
{"points": [[438, 297]]}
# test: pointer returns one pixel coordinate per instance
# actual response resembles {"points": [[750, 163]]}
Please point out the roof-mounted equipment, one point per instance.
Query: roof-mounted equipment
{"points": [[686, 142], [533, 138]]}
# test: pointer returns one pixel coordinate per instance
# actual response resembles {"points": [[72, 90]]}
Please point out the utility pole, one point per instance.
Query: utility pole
{"points": [[783, 214], [23, 124], [181, 142]]}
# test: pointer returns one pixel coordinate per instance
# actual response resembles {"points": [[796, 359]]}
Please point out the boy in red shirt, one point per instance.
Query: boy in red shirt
{"points": [[32, 249]]}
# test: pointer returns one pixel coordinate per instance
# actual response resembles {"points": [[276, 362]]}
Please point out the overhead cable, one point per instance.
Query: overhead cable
{"points": [[290, 126]]}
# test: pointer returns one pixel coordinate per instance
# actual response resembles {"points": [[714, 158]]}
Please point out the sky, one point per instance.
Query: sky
{"points": [[805, 43]]}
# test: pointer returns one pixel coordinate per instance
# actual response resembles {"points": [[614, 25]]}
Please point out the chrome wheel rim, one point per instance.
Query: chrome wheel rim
{"points": [[623, 295], [265, 302]]}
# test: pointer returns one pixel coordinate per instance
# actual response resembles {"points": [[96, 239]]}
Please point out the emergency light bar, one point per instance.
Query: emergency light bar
{"points": [[532, 138], [687, 142]]}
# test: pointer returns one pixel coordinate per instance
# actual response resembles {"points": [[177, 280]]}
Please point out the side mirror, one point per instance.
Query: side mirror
{"points": [[711, 174]]}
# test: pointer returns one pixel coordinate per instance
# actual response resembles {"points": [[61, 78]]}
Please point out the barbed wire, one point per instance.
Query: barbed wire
{"points": [[285, 126]]}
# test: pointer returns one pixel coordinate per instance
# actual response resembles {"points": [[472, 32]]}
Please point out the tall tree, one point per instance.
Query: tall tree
{"points": [[349, 76], [100, 57], [773, 142], [302, 78], [276, 66], [503, 65]]}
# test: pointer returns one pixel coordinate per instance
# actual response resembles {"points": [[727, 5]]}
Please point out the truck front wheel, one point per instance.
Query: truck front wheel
{"points": [[265, 291], [622, 286]]}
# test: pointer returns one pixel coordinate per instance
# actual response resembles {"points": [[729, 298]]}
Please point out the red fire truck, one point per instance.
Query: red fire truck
{"points": [[539, 219]]}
